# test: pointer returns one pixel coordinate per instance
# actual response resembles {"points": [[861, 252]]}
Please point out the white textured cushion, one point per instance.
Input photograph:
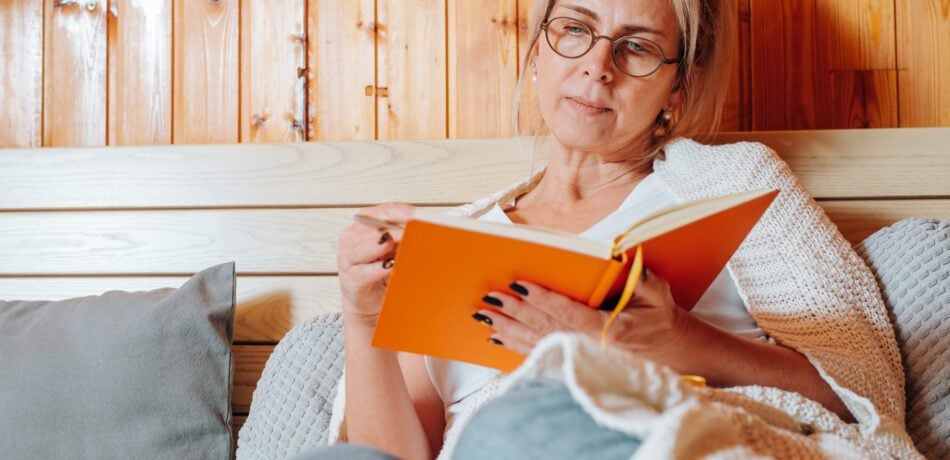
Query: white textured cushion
{"points": [[911, 260], [291, 406]]}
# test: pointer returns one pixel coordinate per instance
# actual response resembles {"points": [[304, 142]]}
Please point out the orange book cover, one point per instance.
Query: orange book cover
{"points": [[444, 265]]}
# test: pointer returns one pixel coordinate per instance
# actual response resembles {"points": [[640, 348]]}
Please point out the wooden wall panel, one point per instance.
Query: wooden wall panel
{"points": [[411, 72], [529, 117], [483, 66], [205, 95], [736, 114], [74, 75], [140, 72], [21, 73], [923, 53], [341, 50], [273, 64]]}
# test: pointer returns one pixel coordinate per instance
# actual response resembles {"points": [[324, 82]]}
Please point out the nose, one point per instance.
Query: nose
{"points": [[598, 62]]}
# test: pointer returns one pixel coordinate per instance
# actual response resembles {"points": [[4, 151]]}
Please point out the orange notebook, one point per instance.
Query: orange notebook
{"points": [[445, 264]]}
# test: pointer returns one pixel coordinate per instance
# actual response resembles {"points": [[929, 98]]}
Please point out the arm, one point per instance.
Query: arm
{"points": [[653, 326], [389, 406], [390, 402], [726, 360]]}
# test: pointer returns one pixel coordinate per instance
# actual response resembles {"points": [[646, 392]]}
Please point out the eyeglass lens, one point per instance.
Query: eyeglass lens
{"points": [[635, 56]]}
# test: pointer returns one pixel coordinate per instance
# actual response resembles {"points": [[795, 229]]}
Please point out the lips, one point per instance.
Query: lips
{"points": [[586, 106], [588, 102]]}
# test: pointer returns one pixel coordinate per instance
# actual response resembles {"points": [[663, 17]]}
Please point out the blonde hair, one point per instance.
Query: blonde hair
{"points": [[707, 50]]}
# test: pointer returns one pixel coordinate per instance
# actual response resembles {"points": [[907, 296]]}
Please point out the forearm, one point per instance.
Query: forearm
{"points": [[726, 360], [379, 410]]}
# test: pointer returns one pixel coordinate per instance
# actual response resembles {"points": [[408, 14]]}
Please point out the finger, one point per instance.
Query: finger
{"points": [[397, 213], [368, 246], [512, 334], [522, 311], [370, 273], [567, 312], [650, 291]]}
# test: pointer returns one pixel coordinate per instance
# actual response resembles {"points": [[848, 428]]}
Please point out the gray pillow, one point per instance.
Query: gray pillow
{"points": [[120, 375], [911, 261]]}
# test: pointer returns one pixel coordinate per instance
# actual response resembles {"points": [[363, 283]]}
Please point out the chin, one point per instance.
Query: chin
{"points": [[577, 136]]}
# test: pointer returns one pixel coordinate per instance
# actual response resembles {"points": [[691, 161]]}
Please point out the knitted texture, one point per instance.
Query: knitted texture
{"points": [[911, 260], [291, 405], [805, 287]]}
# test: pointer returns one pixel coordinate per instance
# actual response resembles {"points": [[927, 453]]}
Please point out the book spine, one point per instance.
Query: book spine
{"points": [[606, 282]]}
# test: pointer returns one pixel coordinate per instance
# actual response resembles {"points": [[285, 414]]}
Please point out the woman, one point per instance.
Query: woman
{"points": [[617, 81]]}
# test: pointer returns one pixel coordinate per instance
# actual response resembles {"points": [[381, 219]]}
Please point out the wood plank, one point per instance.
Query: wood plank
{"points": [[411, 76], [267, 306], [856, 64], [529, 113], [140, 72], [737, 109], [206, 38], [338, 174], [862, 163], [273, 48], [237, 422], [171, 242], [249, 361], [923, 53], [783, 51], [831, 164], [483, 67], [859, 219], [21, 75], [856, 34], [341, 35], [74, 75]]}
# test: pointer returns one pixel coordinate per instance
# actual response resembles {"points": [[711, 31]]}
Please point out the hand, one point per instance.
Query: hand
{"points": [[362, 260], [651, 321]]}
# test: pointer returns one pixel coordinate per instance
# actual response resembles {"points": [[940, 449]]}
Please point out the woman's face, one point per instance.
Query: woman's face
{"points": [[587, 102]]}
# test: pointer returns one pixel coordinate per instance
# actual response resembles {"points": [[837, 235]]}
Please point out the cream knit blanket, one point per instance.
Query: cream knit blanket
{"points": [[804, 286]]}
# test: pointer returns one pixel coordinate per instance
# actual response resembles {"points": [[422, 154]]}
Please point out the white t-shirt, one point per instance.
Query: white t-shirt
{"points": [[721, 305]]}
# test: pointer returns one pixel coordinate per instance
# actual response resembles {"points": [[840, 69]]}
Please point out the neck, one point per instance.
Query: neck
{"points": [[574, 174]]}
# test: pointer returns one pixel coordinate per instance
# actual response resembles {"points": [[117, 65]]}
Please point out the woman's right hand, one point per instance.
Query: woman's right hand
{"points": [[361, 255]]}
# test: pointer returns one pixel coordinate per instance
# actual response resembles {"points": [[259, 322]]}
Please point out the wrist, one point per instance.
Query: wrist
{"points": [[356, 320], [678, 341]]}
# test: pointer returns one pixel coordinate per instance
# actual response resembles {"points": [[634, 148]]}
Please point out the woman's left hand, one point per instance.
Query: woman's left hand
{"points": [[649, 324]]}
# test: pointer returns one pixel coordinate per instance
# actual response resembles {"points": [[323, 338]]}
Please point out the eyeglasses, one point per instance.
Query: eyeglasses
{"points": [[634, 56]]}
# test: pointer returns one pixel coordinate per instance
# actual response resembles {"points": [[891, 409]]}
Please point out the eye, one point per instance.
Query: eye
{"points": [[635, 46]]}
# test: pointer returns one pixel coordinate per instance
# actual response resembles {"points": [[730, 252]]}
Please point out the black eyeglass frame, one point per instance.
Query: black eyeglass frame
{"points": [[613, 41]]}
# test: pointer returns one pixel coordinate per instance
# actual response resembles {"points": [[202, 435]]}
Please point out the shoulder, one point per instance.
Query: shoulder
{"points": [[688, 150]]}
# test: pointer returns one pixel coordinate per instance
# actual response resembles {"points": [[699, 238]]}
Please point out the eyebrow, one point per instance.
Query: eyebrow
{"points": [[626, 28]]}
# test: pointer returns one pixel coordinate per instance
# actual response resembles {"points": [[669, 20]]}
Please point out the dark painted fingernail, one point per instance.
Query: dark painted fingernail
{"points": [[646, 272], [388, 263], [521, 290], [482, 318], [494, 341], [384, 238], [492, 301]]}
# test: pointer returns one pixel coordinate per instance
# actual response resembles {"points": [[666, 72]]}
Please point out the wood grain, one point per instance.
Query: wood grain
{"points": [[249, 363], [140, 72], [273, 48], [205, 96], [267, 306], [21, 75], [171, 242], [341, 50], [923, 54], [832, 164], [411, 75], [482, 67], [74, 75], [529, 113], [824, 65]]}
